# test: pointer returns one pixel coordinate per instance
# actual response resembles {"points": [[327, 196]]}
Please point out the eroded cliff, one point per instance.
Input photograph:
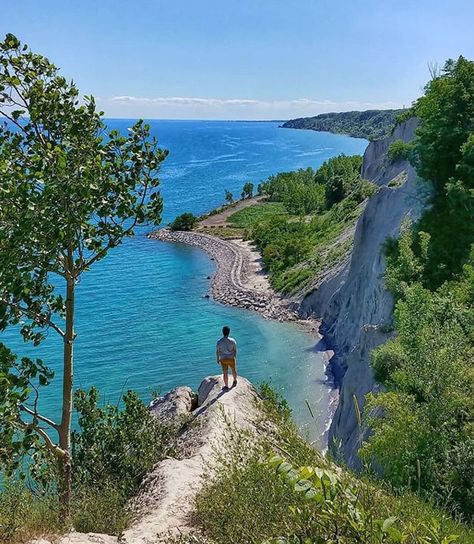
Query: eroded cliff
{"points": [[354, 305]]}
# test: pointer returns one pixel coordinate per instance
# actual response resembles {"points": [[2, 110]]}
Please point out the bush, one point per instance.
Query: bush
{"points": [[186, 221], [114, 449], [340, 176], [399, 151], [296, 496]]}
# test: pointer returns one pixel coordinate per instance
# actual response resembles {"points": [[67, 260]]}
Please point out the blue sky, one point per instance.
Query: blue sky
{"points": [[245, 59]]}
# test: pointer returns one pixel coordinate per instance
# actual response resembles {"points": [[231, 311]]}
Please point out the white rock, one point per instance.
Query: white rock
{"points": [[357, 296]]}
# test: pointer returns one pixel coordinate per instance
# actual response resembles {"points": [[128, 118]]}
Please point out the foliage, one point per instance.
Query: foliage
{"points": [[319, 206], [340, 177], [25, 514], [370, 124], [186, 221], [399, 151], [427, 413], [112, 450], [446, 111], [247, 190], [229, 197], [423, 436], [117, 445], [295, 250], [296, 190], [70, 193], [113, 447], [296, 496]]}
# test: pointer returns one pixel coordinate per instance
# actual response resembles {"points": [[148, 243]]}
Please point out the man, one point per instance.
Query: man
{"points": [[226, 354]]}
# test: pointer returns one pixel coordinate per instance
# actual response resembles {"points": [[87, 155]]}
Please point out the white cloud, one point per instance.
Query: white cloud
{"points": [[182, 107]]}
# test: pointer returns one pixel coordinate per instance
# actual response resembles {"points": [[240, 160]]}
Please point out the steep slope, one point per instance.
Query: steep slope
{"points": [[355, 307]]}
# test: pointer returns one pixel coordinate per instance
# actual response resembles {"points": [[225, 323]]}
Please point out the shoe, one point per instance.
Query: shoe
{"points": [[225, 388], [234, 384]]}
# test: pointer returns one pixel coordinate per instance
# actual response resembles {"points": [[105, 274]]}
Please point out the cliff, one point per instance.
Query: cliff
{"points": [[354, 305], [163, 507], [370, 124]]}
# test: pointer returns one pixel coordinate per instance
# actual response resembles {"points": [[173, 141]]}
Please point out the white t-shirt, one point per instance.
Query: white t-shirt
{"points": [[226, 348]]}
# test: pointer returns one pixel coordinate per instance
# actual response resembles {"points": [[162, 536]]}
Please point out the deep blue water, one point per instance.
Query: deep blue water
{"points": [[142, 321]]}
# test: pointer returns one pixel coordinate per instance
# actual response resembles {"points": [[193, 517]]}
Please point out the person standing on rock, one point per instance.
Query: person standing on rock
{"points": [[226, 354]]}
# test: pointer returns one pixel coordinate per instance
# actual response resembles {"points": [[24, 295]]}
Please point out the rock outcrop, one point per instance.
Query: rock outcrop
{"points": [[354, 305], [165, 501]]}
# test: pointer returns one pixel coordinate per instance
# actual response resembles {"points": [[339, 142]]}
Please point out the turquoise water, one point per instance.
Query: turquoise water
{"points": [[142, 320]]}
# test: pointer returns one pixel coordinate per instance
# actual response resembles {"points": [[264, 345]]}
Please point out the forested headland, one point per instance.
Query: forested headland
{"points": [[369, 124]]}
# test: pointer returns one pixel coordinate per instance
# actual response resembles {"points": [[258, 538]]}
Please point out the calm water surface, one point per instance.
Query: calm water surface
{"points": [[142, 321]]}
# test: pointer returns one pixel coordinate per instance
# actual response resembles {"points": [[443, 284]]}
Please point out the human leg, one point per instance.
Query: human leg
{"points": [[225, 374], [234, 375]]}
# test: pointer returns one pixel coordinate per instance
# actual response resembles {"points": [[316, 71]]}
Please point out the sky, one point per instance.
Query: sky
{"points": [[244, 59]]}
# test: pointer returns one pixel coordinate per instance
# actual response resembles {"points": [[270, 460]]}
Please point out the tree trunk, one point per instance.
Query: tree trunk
{"points": [[65, 468]]}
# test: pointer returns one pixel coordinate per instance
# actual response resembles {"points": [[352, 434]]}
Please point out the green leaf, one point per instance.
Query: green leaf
{"points": [[284, 467], [388, 523], [302, 485]]}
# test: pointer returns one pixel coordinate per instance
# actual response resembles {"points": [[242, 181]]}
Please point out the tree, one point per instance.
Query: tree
{"points": [[340, 176], [247, 190], [229, 197], [185, 221], [446, 111], [69, 193]]}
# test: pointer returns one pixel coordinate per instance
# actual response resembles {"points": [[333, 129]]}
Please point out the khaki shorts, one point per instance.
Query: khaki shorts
{"points": [[226, 363]]}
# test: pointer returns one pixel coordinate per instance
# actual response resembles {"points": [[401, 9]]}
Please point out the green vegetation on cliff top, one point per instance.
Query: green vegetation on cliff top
{"points": [[425, 439], [370, 124], [305, 224]]}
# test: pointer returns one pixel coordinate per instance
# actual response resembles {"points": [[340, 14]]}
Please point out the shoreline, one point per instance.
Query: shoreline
{"points": [[241, 281]]}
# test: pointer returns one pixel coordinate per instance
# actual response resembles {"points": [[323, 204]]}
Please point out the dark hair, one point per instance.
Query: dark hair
{"points": [[226, 330]]}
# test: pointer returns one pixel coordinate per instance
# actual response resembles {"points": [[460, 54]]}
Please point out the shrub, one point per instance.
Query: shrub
{"points": [[186, 221], [115, 448], [399, 151], [297, 497], [247, 190], [340, 176]]}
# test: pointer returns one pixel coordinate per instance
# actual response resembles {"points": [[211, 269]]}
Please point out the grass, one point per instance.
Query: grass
{"points": [[251, 499], [25, 514], [329, 247], [249, 217]]}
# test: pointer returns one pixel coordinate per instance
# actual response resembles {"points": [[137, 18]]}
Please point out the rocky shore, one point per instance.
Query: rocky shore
{"points": [[240, 279]]}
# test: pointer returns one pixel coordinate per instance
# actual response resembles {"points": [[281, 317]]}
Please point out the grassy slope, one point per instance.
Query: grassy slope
{"points": [[247, 500], [331, 240]]}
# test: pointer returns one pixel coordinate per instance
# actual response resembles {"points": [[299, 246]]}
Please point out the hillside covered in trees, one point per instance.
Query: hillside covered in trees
{"points": [[370, 124]]}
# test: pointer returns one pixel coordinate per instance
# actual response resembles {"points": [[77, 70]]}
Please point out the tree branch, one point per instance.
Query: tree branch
{"points": [[36, 415], [40, 320]]}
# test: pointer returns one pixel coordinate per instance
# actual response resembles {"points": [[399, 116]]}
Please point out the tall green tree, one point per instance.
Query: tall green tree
{"points": [[446, 111], [69, 193]]}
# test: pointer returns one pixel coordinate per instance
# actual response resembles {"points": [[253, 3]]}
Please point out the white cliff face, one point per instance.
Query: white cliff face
{"points": [[355, 306]]}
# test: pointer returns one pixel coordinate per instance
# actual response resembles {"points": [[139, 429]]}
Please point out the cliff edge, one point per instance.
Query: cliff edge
{"points": [[163, 506], [354, 305]]}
